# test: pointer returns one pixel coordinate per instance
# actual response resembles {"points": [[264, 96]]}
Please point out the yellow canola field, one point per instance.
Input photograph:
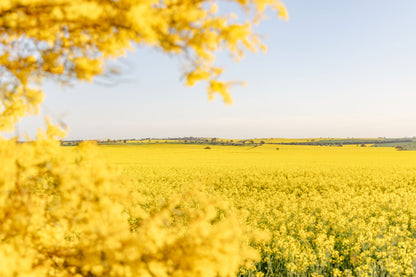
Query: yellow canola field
{"points": [[330, 211]]}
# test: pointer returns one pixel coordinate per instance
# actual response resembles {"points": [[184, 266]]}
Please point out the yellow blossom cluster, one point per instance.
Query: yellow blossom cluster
{"points": [[70, 40], [68, 213]]}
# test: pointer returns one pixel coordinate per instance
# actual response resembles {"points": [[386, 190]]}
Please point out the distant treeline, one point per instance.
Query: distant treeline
{"points": [[249, 142], [186, 140], [345, 142]]}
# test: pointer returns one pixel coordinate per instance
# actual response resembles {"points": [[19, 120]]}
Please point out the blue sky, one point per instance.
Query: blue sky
{"points": [[335, 69]]}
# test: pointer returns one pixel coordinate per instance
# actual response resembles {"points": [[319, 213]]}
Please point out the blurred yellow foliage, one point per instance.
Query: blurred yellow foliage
{"points": [[68, 213], [71, 40]]}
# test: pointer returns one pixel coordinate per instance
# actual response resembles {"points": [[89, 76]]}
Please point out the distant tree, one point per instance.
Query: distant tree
{"points": [[400, 148]]}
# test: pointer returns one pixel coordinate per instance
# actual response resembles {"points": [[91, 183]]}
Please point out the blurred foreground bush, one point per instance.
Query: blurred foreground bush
{"points": [[67, 213]]}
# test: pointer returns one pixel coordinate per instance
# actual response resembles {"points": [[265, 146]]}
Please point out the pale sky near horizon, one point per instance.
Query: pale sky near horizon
{"points": [[335, 69]]}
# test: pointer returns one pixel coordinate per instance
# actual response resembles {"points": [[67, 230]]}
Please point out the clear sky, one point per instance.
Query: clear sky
{"points": [[344, 68]]}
